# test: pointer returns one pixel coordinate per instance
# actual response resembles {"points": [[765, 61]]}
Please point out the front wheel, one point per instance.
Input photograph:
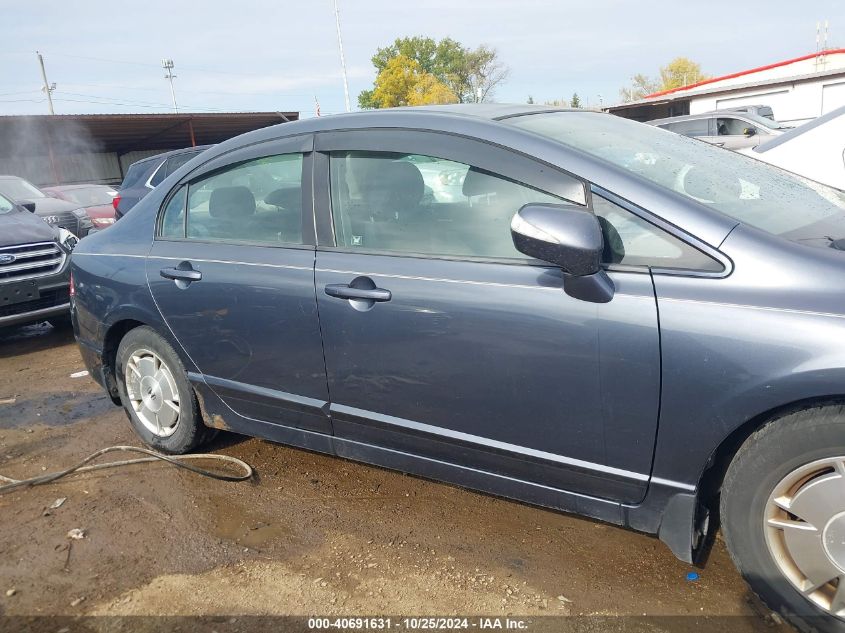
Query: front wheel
{"points": [[783, 511], [156, 394]]}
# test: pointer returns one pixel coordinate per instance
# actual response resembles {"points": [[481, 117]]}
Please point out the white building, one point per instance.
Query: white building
{"points": [[797, 90]]}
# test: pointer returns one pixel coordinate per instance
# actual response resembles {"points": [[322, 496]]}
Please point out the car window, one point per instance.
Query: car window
{"points": [[694, 127], [135, 174], [159, 175], [732, 127], [425, 205], [20, 189], [740, 187], [5, 205], [632, 241], [256, 201], [175, 162]]}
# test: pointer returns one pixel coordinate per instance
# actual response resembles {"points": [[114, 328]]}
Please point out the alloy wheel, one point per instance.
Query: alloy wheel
{"points": [[152, 392]]}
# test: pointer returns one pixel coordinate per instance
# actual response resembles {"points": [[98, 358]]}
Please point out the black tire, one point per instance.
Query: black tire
{"points": [[766, 458], [189, 431]]}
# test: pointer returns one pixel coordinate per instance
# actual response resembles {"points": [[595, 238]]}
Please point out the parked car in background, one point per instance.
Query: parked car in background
{"points": [[34, 268], [725, 128], [60, 213], [143, 176], [97, 200], [609, 320], [758, 110], [815, 150]]}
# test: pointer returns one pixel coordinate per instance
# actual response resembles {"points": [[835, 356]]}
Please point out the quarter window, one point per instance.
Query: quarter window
{"points": [[632, 241], [256, 201], [417, 204], [692, 127]]}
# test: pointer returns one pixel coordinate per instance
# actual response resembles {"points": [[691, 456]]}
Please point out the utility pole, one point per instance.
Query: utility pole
{"points": [[48, 88], [167, 64], [342, 60]]}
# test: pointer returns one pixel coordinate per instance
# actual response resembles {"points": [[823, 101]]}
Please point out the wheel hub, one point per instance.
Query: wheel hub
{"points": [[151, 394], [833, 539]]}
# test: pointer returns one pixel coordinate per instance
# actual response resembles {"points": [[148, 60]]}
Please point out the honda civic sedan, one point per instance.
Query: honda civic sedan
{"points": [[606, 318]]}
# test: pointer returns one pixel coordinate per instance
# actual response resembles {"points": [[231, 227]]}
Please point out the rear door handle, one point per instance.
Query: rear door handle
{"points": [[185, 274], [345, 291]]}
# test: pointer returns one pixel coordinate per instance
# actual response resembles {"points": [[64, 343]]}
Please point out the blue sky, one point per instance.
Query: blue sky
{"points": [[274, 55]]}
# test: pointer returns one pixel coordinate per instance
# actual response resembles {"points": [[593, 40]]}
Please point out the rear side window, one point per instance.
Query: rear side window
{"points": [[631, 241], [257, 201], [697, 127]]}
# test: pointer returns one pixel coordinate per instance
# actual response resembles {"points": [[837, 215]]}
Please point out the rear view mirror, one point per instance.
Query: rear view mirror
{"points": [[29, 206], [570, 237]]}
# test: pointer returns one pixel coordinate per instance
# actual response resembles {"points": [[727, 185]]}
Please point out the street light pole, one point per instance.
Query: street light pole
{"points": [[48, 90], [167, 64], [342, 59]]}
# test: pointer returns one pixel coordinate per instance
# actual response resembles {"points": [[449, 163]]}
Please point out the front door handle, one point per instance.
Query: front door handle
{"points": [[345, 291], [177, 274]]}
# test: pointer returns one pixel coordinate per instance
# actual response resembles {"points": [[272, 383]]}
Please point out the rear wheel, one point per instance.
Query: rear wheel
{"points": [[156, 394], [783, 511]]}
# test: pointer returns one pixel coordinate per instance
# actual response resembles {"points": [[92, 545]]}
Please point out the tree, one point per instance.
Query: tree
{"points": [[680, 72], [403, 82], [575, 102], [641, 85], [469, 75], [530, 100]]}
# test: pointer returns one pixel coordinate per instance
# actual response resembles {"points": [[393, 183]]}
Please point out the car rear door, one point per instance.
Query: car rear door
{"points": [[232, 272], [443, 342]]}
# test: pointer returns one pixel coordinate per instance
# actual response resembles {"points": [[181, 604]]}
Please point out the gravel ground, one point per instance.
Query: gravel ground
{"points": [[312, 535]]}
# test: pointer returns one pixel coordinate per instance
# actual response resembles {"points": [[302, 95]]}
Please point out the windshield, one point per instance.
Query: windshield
{"points": [[763, 121], [90, 196], [19, 189], [743, 188], [5, 205]]}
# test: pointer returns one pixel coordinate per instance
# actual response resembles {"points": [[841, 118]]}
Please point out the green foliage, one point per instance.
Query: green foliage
{"points": [[575, 102], [467, 75]]}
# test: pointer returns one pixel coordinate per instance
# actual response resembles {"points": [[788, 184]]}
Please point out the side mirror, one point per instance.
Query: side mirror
{"points": [[29, 206], [569, 237], [749, 131]]}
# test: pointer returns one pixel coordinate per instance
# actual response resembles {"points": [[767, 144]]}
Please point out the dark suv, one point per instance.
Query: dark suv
{"points": [[143, 176], [34, 267], [562, 307]]}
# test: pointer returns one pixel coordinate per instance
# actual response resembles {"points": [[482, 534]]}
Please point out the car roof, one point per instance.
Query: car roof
{"points": [[700, 115], [482, 119], [174, 152]]}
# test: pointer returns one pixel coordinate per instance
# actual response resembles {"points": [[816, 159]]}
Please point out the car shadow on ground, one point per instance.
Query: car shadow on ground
{"points": [[15, 341]]}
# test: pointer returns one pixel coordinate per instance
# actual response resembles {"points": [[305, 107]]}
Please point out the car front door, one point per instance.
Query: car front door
{"points": [[734, 133], [232, 272], [444, 342]]}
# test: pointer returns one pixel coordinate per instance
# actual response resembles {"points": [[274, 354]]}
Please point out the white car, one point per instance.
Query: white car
{"points": [[815, 150]]}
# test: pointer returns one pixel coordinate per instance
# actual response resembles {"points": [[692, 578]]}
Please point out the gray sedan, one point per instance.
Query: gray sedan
{"points": [[562, 307]]}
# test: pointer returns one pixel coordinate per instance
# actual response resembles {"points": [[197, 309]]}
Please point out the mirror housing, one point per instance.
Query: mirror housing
{"points": [[29, 206], [570, 237], [749, 131]]}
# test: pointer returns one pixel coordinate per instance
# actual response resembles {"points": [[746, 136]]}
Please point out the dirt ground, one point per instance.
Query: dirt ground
{"points": [[312, 535]]}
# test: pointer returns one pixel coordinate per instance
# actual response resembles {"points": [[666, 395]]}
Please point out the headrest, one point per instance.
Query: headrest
{"points": [[395, 182], [288, 198], [231, 202]]}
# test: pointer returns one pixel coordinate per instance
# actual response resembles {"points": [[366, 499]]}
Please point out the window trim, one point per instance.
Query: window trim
{"points": [[299, 144]]}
